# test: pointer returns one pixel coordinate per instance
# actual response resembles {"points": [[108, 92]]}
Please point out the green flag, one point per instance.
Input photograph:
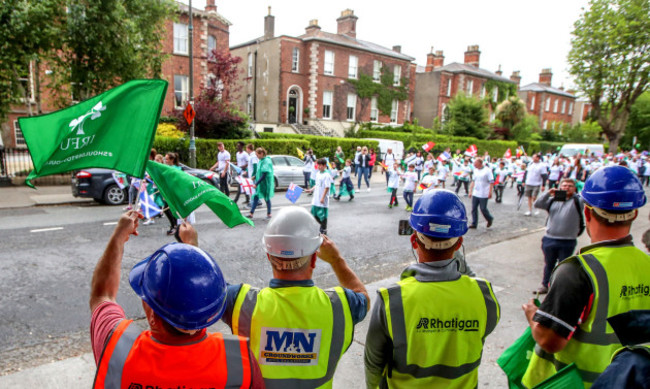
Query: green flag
{"points": [[113, 130], [185, 193]]}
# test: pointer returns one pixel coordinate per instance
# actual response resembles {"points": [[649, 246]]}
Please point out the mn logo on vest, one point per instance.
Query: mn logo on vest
{"points": [[437, 325], [630, 291], [289, 346]]}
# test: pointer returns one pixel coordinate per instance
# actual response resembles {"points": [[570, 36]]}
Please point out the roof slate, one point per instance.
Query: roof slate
{"points": [[538, 87], [456, 67]]}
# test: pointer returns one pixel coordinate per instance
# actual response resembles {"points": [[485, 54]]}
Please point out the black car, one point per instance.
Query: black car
{"points": [[98, 184]]}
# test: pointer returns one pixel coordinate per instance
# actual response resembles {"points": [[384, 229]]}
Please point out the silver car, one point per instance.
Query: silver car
{"points": [[287, 169]]}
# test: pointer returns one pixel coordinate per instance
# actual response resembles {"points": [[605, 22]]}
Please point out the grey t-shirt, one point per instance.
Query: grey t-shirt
{"points": [[563, 217]]}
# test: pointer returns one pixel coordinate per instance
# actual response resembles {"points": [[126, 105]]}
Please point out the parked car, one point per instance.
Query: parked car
{"points": [[98, 184], [287, 169], [206, 175]]}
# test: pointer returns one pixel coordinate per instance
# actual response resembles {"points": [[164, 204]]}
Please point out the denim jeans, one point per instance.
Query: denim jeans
{"points": [[363, 172], [408, 197], [256, 201], [306, 175], [555, 250], [478, 202]]}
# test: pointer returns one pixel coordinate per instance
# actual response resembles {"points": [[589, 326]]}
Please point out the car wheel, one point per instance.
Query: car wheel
{"points": [[113, 195]]}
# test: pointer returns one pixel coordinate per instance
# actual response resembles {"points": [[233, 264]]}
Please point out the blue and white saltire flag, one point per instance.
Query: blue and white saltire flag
{"points": [[148, 205], [293, 193]]}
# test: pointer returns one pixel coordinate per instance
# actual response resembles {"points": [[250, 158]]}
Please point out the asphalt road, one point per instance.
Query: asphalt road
{"points": [[49, 253]]}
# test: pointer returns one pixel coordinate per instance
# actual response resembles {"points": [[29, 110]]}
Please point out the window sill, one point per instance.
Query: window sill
{"points": [[181, 54]]}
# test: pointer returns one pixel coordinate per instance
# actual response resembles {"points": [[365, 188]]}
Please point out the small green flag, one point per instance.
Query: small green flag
{"points": [[113, 130], [185, 193]]}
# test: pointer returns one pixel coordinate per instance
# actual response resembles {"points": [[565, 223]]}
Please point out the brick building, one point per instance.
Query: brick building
{"points": [[438, 83], [303, 80], [210, 31], [551, 105]]}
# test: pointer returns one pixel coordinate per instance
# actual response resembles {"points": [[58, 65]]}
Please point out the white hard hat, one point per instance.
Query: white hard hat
{"points": [[292, 233]]}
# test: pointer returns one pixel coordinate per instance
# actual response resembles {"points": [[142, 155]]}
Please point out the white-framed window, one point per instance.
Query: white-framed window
{"points": [[352, 107], [563, 106], [329, 63], [557, 102], [374, 112], [212, 44], [181, 90], [327, 105], [397, 75], [393, 111], [571, 108], [295, 60], [469, 87], [495, 94], [545, 126], [180, 38], [449, 87], [445, 113], [376, 70], [493, 116], [26, 81], [18, 135], [548, 104], [532, 103], [249, 104], [250, 65], [353, 64], [483, 91]]}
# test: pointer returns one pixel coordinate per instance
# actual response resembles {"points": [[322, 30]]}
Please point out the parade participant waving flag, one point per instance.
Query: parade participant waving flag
{"points": [[507, 154], [113, 130], [185, 193], [471, 151]]}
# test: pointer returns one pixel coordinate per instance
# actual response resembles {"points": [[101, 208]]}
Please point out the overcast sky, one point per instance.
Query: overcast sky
{"points": [[522, 35]]}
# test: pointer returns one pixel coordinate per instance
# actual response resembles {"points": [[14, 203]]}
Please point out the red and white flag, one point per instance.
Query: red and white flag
{"points": [[428, 146], [246, 185], [471, 151], [507, 154]]}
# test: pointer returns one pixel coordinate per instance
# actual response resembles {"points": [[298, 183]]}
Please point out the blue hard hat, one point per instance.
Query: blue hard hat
{"points": [[614, 188], [439, 213], [182, 284]]}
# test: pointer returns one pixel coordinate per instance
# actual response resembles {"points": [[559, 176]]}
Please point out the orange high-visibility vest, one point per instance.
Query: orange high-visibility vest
{"points": [[133, 359]]}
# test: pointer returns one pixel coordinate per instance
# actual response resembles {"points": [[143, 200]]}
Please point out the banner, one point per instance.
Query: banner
{"points": [[113, 130]]}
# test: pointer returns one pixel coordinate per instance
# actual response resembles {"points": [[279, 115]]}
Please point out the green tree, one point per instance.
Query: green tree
{"points": [[610, 58], [30, 29], [525, 129], [587, 132], [639, 123], [511, 111], [108, 42], [467, 117]]}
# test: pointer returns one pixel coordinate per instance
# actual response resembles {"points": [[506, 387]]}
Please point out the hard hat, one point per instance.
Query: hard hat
{"points": [[439, 213], [292, 233], [182, 284], [614, 188]]}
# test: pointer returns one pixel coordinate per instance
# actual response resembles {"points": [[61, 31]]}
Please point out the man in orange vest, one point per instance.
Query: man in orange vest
{"points": [[183, 292]]}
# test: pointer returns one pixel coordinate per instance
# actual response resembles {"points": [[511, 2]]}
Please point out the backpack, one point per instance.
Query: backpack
{"points": [[576, 202]]}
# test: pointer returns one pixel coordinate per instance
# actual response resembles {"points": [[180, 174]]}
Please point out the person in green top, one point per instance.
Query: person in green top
{"points": [[264, 184]]}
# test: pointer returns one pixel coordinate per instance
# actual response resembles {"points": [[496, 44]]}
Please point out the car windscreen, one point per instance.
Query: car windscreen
{"points": [[279, 161]]}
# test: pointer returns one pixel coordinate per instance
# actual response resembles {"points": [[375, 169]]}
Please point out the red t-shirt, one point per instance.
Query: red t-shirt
{"points": [[106, 316]]}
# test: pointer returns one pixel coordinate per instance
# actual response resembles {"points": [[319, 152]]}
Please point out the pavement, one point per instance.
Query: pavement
{"points": [[514, 266]]}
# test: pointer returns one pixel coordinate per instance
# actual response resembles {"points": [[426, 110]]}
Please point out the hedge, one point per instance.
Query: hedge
{"points": [[324, 146], [206, 149]]}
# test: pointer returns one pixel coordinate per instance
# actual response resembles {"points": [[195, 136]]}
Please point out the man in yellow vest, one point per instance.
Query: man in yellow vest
{"points": [[605, 279], [298, 332], [183, 292], [428, 330]]}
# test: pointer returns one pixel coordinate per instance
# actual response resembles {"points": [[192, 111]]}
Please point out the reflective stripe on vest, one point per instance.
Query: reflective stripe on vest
{"points": [[594, 342], [244, 315], [118, 355], [395, 316]]}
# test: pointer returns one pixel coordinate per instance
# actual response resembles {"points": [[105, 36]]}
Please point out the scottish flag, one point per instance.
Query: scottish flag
{"points": [[293, 193], [148, 205]]}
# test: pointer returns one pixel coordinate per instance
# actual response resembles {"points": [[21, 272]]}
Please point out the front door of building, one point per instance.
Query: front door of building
{"points": [[293, 107]]}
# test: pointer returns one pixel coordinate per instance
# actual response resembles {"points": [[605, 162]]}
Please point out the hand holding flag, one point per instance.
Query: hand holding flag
{"points": [[471, 151], [507, 154]]}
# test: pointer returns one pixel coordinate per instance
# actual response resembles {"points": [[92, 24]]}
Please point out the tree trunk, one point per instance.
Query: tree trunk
{"points": [[614, 130]]}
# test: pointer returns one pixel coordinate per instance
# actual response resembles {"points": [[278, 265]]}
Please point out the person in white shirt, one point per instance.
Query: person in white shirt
{"points": [[356, 156], [500, 176], [242, 163], [555, 173], [464, 178], [430, 180], [410, 178], [443, 171], [252, 160], [534, 182], [480, 192], [346, 186], [320, 202], [393, 184], [419, 163], [222, 167], [308, 167], [389, 160]]}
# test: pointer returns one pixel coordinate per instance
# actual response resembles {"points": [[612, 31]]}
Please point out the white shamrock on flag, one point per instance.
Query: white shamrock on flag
{"points": [[94, 113]]}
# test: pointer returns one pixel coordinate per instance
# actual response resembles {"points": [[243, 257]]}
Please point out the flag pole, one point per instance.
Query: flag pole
{"points": [[192, 140]]}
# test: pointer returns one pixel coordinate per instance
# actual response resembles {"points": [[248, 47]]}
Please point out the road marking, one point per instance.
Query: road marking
{"points": [[47, 229], [110, 223]]}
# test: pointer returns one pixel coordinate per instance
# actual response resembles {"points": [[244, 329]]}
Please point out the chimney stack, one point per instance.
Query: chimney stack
{"points": [[397, 48], [210, 7], [499, 72], [269, 25], [347, 23], [545, 77], [515, 77], [313, 28], [472, 56], [438, 59], [429, 67]]}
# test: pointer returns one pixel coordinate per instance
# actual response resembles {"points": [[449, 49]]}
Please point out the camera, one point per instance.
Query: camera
{"points": [[560, 195], [404, 228]]}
